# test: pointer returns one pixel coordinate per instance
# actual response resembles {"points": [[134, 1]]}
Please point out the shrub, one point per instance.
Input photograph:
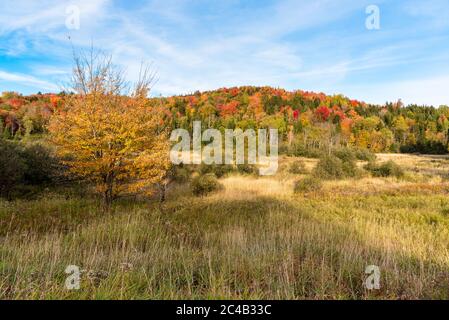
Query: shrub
{"points": [[297, 167], [25, 165], [350, 154], [309, 184], [12, 167], [204, 184], [386, 169], [219, 170], [329, 167], [181, 173], [395, 148], [345, 154], [351, 170], [332, 167], [364, 155], [246, 168], [40, 164]]}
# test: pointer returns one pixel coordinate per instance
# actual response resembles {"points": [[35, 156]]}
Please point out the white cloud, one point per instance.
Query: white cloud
{"points": [[27, 80], [48, 70]]}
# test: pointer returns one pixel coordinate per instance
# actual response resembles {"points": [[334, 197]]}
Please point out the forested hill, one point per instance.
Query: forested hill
{"points": [[309, 120], [306, 120]]}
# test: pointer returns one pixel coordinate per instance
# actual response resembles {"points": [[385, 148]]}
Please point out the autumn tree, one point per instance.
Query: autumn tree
{"points": [[108, 134]]}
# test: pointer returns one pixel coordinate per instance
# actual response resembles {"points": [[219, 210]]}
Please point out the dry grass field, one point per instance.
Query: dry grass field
{"points": [[254, 239]]}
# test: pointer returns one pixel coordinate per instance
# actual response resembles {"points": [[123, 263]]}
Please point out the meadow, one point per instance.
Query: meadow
{"points": [[253, 239]]}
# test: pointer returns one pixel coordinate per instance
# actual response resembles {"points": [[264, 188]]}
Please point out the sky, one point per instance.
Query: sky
{"points": [[330, 46]]}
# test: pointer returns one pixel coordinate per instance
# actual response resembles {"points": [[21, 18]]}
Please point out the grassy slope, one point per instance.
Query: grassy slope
{"points": [[254, 239]]}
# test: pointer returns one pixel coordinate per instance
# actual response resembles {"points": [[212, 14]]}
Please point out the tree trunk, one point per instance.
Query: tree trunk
{"points": [[107, 200], [108, 195], [162, 192]]}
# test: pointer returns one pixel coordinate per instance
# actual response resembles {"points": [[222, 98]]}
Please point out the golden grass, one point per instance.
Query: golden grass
{"points": [[254, 239], [241, 187]]}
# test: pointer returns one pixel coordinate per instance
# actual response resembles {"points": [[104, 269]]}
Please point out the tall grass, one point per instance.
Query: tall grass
{"points": [[254, 239]]}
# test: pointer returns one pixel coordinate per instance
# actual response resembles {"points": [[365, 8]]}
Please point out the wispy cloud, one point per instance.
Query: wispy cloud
{"points": [[199, 44], [27, 80], [435, 13]]}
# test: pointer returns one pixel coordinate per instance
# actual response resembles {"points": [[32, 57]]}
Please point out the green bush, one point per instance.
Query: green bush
{"points": [[204, 184], [387, 169], [41, 164], [364, 155], [12, 167], [219, 170], [331, 167], [25, 165], [350, 169], [297, 167], [181, 173], [309, 184], [246, 168], [352, 154], [345, 154]]}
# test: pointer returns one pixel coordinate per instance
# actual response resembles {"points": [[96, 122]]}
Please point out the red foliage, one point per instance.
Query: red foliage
{"points": [[278, 92], [234, 92], [323, 113], [16, 103], [346, 126], [54, 101], [228, 109], [192, 100], [309, 95], [296, 114], [354, 103], [340, 114]]}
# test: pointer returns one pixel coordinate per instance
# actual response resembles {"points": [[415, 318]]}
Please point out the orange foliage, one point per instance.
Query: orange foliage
{"points": [[228, 109]]}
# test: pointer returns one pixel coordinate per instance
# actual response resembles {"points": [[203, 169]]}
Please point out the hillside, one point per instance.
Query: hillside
{"points": [[306, 120]]}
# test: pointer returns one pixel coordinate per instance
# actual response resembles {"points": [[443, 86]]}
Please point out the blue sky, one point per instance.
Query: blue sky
{"points": [[320, 45]]}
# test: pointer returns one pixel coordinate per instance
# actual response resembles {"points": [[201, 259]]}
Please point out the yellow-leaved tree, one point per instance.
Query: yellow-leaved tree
{"points": [[111, 136]]}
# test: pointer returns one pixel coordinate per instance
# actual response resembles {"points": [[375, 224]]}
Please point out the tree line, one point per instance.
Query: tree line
{"points": [[304, 119]]}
